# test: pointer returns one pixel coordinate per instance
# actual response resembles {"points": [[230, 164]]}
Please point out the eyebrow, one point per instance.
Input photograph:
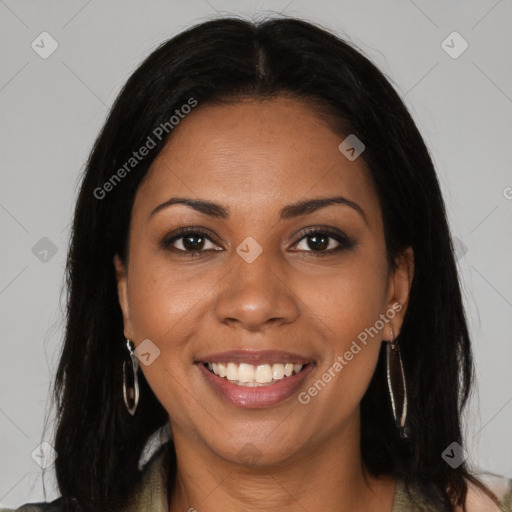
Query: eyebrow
{"points": [[288, 212]]}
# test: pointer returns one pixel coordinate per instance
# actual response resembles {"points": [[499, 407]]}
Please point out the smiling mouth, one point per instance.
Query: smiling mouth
{"points": [[248, 375]]}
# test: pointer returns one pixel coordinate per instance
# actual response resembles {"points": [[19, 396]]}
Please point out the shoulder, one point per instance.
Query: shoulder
{"points": [[43, 506], [478, 501], [413, 498], [151, 489]]}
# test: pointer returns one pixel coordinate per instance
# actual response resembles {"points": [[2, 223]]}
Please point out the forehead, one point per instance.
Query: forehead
{"points": [[255, 155]]}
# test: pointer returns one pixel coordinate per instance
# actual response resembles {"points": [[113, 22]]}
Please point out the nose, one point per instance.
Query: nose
{"points": [[254, 296]]}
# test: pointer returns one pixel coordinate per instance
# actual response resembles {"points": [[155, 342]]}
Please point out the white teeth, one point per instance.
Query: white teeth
{"points": [[244, 374], [221, 369], [263, 374], [278, 371], [232, 371]]}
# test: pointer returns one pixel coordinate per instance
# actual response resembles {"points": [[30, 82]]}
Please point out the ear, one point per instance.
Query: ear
{"points": [[399, 288], [122, 294]]}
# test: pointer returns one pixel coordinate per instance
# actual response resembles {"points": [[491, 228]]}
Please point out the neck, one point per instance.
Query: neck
{"points": [[328, 476]]}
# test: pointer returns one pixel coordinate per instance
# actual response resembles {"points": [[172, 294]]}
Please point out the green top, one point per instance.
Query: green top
{"points": [[151, 494]]}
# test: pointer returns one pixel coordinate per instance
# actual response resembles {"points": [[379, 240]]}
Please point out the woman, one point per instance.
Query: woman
{"points": [[261, 264]]}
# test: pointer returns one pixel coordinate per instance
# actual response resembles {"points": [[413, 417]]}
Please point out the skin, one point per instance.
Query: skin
{"points": [[255, 157]]}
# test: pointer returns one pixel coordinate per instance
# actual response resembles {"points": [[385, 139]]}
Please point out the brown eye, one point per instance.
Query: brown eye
{"points": [[192, 242], [322, 242], [189, 242]]}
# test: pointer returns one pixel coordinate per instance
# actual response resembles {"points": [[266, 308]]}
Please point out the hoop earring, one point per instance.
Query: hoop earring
{"points": [[397, 386], [130, 379]]}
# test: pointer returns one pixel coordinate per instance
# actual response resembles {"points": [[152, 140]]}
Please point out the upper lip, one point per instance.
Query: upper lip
{"points": [[255, 357]]}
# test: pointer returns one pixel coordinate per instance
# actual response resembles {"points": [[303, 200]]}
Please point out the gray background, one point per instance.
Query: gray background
{"points": [[52, 109]]}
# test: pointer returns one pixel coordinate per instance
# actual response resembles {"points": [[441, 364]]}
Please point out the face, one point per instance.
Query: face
{"points": [[251, 272]]}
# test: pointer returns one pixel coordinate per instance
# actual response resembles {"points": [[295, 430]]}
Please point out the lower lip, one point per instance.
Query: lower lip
{"points": [[255, 397]]}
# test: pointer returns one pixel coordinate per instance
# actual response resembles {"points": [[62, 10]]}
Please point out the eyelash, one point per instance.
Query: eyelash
{"points": [[345, 242]]}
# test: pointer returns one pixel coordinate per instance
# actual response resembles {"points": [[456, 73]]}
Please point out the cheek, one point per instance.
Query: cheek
{"points": [[348, 299], [161, 299], [348, 306], [335, 394], [353, 347], [163, 309]]}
